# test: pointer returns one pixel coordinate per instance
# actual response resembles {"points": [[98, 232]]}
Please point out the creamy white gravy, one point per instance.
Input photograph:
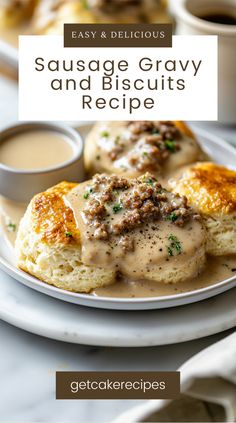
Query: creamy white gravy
{"points": [[151, 242], [217, 269], [36, 149]]}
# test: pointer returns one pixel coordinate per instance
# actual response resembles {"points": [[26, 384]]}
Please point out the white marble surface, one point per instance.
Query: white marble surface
{"points": [[27, 374], [28, 362]]}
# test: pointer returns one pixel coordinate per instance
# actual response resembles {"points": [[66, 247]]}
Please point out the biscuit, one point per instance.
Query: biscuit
{"points": [[211, 190], [132, 148], [48, 244]]}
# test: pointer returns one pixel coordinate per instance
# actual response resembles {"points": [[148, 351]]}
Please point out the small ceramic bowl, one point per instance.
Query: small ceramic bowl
{"points": [[21, 185]]}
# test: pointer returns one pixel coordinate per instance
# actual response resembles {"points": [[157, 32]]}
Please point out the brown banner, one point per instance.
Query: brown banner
{"points": [[117, 35], [117, 385]]}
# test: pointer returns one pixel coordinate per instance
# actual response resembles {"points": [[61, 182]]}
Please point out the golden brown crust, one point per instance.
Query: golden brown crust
{"points": [[52, 218], [210, 187], [184, 129]]}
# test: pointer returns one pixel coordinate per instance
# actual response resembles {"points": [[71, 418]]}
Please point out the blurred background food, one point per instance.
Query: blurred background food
{"points": [[13, 12], [48, 16]]}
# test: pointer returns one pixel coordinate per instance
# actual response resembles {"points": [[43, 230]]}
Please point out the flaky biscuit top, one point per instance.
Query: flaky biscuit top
{"points": [[209, 187], [52, 218]]}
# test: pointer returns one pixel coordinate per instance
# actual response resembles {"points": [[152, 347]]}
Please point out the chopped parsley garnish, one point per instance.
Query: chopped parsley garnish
{"points": [[117, 139], [105, 134], [174, 247], [117, 207], [68, 234], [149, 181], [11, 227], [145, 154], [172, 217], [170, 145], [86, 194]]}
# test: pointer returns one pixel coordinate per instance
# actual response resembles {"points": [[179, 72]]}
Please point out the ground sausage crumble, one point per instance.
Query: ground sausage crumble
{"points": [[115, 206]]}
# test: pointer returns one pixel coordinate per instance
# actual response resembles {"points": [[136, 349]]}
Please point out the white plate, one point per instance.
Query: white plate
{"points": [[46, 316], [220, 152]]}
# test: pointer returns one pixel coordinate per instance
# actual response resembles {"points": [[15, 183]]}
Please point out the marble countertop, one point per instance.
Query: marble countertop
{"points": [[28, 362]]}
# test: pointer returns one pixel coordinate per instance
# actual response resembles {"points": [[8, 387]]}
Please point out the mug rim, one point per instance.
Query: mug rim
{"points": [[179, 7]]}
